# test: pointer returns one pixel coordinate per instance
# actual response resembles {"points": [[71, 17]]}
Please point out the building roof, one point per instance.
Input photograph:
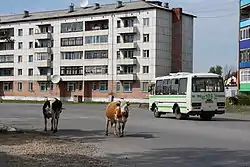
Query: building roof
{"points": [[89, 10]]}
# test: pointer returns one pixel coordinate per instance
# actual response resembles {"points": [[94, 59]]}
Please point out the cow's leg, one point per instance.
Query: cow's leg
{"points": [[119, 128], [45, 124], [107, 126], [123, 127], [56, 124], [51, 125], [115, 127]]}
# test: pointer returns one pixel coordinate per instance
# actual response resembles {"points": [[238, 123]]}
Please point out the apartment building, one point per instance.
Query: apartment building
{"points": [[98, 51], [244, 47]]}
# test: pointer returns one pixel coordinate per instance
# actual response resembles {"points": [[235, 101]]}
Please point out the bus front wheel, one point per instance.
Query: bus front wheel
{"points": [[156, 113]]}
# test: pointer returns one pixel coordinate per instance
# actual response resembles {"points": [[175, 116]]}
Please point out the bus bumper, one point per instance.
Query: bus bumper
{"points": [[219, 112]]}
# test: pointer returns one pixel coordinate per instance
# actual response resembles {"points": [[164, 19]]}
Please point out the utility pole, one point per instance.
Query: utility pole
{"points": [[238, 56]]}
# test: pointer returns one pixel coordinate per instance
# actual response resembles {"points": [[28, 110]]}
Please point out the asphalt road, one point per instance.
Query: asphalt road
{"points": [[149, 141]]}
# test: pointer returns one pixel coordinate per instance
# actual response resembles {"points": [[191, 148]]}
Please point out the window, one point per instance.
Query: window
{"points": [[7, 59], [30, 45], [166, 87], [145, 69], [20, 59], [118, 86], [71, 55], [94, 86], [20, 45], [129, 23], [20, 32], [71, 27], [145, 21], [144, 86], [118, 23], [97, 25], [45, 71], [128, 69], [245, 33], [174, 86], [30, 72], [96, 39], [127, 86], [128, 54], [20, 86], [43, 56], [145, 53], [244, 75], [7, 46], [159, 87], [182, 86], [6, 71], [103, 86], [30, 86], [145, 37], [118, 39], [70, 86], [128, 38], [71, 70], [96, 70], [43, 86], [31, 31], [118, 54], [73, 41], [7, 86], [20, 72], [207, 85], [96, 54], [30, 58]]}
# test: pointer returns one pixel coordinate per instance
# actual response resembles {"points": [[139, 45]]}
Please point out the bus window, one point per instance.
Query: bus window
{"points": [[182, 86], [166, 86], [151, 89], [207, 85], [159, 87], [174, 86]]}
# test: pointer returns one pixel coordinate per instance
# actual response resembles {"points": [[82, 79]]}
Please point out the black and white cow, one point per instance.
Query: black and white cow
{"points": [[52, 109]]}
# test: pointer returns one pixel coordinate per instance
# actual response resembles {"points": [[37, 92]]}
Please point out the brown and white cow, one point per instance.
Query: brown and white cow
{"points": [[117, 114]]}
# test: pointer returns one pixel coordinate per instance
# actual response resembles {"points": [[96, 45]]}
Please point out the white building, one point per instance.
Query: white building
{"points": [[97, 51]]}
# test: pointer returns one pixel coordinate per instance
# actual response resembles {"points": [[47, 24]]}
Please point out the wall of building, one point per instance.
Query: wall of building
{"points": [[187, 43], [159, 60], [163, 43]]}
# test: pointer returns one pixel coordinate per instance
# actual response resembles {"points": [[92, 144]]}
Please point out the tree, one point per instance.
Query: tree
{"points": [[216, 69]]}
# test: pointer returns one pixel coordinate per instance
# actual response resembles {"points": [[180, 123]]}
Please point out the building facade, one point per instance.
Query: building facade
{"points": [[98, 51], [244, 47]]}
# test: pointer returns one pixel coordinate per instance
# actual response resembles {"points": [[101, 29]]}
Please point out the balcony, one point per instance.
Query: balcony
{"points": [[43, 36], [42, 50], [127, 30], [129, 45], [127, 61], [43, 63], [126, 76], [7, 65], [244, 3], [96, 77], [244, 23], [6, 78], [42, 77], [72, 78]]}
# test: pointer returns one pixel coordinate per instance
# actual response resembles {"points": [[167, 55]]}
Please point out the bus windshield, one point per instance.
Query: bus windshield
{"points": [[207, 85]]}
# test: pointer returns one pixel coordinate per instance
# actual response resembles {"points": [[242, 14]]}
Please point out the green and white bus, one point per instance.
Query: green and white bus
{"points": [[187, 94]]}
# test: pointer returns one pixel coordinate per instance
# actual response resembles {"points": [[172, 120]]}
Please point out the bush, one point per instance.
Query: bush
{"points": [[243, 99]]}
